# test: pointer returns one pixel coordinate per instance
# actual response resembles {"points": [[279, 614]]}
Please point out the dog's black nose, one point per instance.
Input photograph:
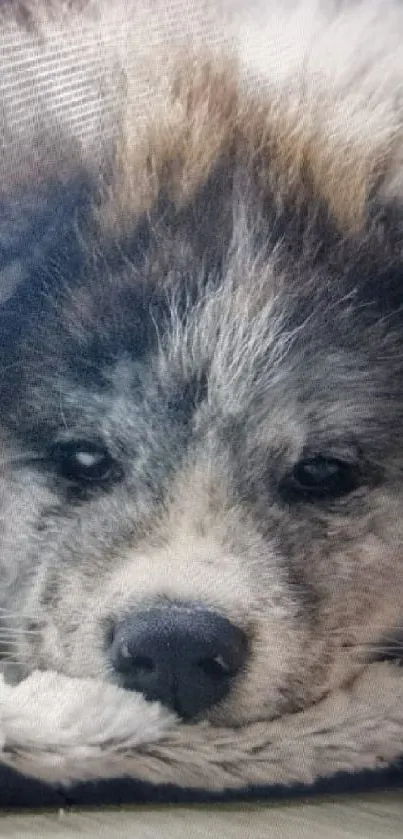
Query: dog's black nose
{"points": [[182, 655]]}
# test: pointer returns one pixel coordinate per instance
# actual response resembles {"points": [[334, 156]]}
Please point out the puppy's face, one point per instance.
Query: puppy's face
{"points": [[204, 421]]}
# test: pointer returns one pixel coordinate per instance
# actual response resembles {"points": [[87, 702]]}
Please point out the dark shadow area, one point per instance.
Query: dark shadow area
{"points": [[18, 792]]}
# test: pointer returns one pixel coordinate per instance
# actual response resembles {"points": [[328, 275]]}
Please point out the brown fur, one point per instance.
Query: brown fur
{"points": [[205, 116]]}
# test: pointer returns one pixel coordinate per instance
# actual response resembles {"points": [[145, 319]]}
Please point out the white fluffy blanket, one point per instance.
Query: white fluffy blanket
{"points": [[66, 730]]}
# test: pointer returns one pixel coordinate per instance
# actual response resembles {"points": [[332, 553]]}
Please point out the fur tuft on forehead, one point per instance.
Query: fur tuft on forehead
{"points": [[285, 140]]}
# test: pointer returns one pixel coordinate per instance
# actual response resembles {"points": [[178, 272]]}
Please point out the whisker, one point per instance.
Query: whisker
{"points": [[376, 645], [9, 657], [9, 640], [386, 626]]}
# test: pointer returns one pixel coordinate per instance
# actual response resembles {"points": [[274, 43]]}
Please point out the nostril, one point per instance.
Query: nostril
{"points": [[142, 662], [110, 632], [138, 665], [215, 668]]}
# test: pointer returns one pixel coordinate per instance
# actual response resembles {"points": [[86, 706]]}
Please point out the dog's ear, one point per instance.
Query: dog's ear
{"points": [[376, 267], [39, 235], [36, 221]]}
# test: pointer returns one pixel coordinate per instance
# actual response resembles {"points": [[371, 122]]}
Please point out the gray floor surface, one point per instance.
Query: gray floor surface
{"points": [[374, 816]]}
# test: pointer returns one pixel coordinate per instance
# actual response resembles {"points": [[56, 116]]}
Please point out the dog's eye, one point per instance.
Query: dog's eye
{"points": [[83, 461], [322, 477]]}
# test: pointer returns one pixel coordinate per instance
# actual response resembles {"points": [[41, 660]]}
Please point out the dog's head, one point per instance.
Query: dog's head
{"points": [[201, 394]]}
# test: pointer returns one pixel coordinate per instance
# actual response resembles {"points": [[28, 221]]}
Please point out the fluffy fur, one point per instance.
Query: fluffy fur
{"points": [[209, 287], [63, 730]]}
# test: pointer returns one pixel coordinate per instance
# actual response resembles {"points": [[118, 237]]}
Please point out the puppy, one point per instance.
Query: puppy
{"points": [[201, 369]]}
